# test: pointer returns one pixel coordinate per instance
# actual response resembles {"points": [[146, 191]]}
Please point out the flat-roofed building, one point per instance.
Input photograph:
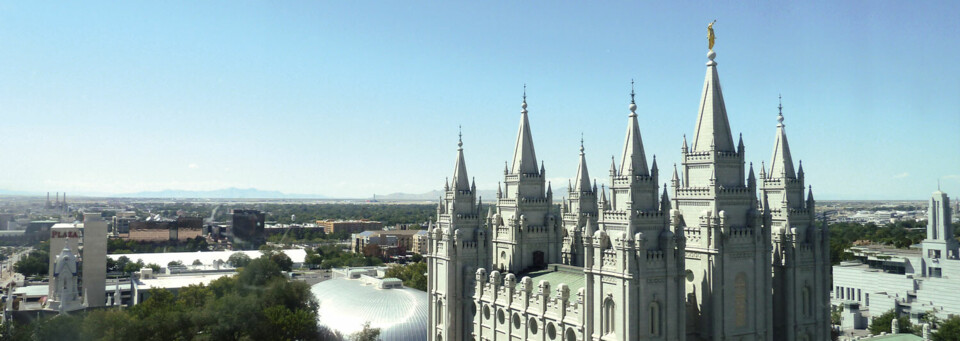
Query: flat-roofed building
{"points": [[349, 226], [181, 229]]}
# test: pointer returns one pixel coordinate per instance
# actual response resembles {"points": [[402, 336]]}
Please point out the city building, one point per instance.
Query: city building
{"points": [[248, 226], [121, 222], [420, 242], [349, 226], [180, 229], [630, 263], [390, 243], [88, 241], [914, 282]]}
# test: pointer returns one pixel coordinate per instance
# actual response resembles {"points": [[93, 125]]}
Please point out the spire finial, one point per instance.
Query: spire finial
{"points": [[581, 142], [633, 103], [460, 136], [780, 110]]}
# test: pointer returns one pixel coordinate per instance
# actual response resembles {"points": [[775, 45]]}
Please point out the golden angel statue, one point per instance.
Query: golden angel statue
{"points": [[710, 35]]}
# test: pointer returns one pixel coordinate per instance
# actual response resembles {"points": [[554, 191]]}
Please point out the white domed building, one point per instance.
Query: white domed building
{"points": [[347, 303]]}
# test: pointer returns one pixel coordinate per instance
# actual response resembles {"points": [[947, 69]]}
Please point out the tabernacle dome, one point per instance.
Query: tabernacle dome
{"points": [[347, 303]]}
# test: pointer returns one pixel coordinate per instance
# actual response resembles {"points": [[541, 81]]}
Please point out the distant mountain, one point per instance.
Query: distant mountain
{"points": [[227, 193], [488, 196]]}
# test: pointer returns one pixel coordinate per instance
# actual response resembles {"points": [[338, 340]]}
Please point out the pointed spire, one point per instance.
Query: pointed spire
{"points": [[684, 148], [781, 163], [499, 192], [460, 180], [676, 176], [633, 161], [542, 170], [750, 177], [653, 167], [800, 170], [810, 193], [613, 166], [524, 156], [583, 176], [713, 127], [664, 200], [740, 145]]}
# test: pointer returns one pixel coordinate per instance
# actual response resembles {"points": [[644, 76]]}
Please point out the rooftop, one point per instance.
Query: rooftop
{"points": [[556, 274]]}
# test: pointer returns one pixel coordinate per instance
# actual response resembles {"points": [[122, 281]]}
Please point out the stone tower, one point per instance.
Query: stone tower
{"points": [[458, 246], [526, 234], [579, 207], [939, 242], [634, 264], [727, 248], [801, 250]]}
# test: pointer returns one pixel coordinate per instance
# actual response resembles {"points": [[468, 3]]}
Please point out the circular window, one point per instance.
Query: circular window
{"points": [[486, 312], [533, 325], [516, 321], [439, 338], [551, 331], [500, 317], [473, 309], [690, 276]]}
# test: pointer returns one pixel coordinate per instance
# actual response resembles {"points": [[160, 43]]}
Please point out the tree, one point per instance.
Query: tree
{"points": [[367, 333], [949, 330], [413, 275], [881, 324], [174, 263], [197, 262], [238, 260]]}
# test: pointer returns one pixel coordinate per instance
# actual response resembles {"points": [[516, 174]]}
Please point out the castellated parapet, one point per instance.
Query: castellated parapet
{"points": [[525, 310]]}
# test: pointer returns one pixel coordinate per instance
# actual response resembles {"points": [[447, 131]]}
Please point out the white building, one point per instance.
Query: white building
{"points": [[634, 264], [915, 282]]}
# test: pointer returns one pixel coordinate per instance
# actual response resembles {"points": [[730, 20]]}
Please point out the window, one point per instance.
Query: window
{"points": [[805, 297], [571, 335], [655, 319], [866, 299], [439, 312], [533, 326], [516, 321], [551, 331], [740, 300], [609, 310]]}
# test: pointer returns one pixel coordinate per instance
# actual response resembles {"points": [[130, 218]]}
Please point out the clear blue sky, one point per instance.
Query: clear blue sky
{"points": [[347, 99]]}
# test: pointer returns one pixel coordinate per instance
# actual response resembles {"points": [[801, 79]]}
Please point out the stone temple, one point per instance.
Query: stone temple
{"points": [[723, 253]]}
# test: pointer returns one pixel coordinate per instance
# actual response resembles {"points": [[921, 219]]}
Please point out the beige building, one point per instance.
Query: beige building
{"points": [[349, 226], [401, 239]]}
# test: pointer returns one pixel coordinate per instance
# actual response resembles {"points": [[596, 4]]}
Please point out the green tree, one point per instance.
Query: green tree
{"points": [[413, 275], [949, 330], [238, 260], [367, 333], [881, 324]]}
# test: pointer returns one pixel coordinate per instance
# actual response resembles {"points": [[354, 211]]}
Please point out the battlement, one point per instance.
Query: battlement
{"points": [[502, 301], [693, 191]]}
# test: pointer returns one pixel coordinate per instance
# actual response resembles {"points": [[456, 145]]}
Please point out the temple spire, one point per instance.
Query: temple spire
{"points": [[583, 177], [633, 161], [524, 156], [460, 180], [781, 163], [713, 127]]}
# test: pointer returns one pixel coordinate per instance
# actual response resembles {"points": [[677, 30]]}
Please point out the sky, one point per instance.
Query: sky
{"points": [[351, 98]]}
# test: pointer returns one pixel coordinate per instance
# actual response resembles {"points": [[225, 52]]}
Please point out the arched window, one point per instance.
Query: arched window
{"points": [[609, 311], [740, 300], [807, 302], [655, 319], [439, 312]]}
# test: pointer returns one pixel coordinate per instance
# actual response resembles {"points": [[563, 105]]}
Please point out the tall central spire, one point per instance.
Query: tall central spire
{"points": [[633, 161], [782, 162], [583, 177], [524, 157], [460, 180], [713, 128]]}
